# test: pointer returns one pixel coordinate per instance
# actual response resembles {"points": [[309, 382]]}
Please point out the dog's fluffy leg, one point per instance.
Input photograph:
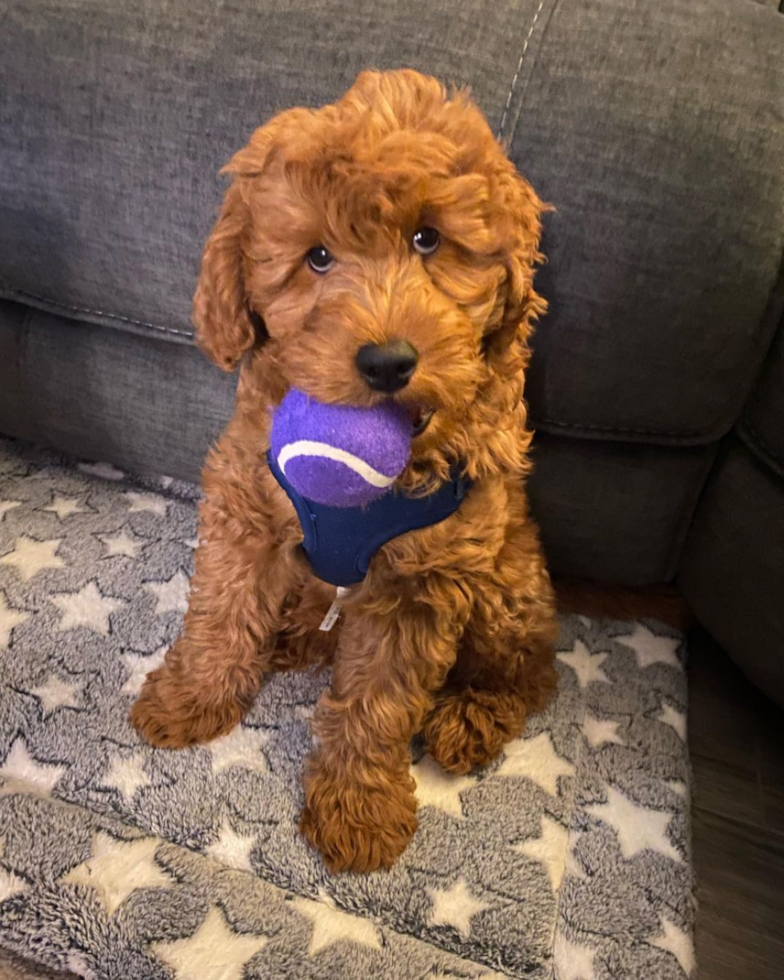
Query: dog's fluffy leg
{"points": [[213, 672], [360, 810], [504, 667]]}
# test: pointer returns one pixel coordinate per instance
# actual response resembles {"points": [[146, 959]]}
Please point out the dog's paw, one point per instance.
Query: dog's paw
{"points": [[355, 826], [170, 717], [469, 728]]}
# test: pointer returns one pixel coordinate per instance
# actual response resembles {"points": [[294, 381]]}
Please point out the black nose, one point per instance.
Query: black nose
{"points": [[387, 368]]}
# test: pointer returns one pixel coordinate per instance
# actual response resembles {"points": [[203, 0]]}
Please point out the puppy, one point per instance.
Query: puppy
{"points": [[391, 216]]}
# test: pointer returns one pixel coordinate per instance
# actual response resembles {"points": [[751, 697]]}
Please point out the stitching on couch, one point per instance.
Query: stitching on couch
{"points": [[513, 86], [537, 419], [84, 309]]}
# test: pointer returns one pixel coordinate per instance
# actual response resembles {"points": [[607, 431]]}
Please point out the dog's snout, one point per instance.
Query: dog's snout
{"points": [[387, 367]]}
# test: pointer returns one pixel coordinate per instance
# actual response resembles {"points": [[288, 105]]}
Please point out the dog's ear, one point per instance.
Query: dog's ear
{"points": [[224, 330], [226, 324], [520, 215]]}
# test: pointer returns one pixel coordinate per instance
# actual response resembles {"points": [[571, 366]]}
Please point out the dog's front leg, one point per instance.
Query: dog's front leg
{"points": [[360, 810], [212, 674]]}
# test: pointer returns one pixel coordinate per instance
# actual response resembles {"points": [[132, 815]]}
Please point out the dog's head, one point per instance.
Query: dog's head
{"points": [[381, 247]]}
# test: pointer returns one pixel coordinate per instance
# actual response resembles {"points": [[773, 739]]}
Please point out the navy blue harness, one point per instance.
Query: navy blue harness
{"points": [[340, 541]]}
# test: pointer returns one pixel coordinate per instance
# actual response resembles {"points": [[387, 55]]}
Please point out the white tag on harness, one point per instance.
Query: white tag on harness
{"points": [[334, 610]]}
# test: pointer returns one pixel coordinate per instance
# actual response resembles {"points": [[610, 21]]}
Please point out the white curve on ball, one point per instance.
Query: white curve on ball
{"points": [[309, 447]]}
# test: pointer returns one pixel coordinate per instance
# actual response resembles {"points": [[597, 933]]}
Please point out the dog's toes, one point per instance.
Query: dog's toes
{"points": [[357, 828], [156, 725], [165, 718], [469, 728]]}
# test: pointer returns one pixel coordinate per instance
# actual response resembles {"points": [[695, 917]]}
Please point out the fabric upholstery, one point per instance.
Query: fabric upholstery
{"points": [[656, 130], [140, 402], [645, 124], [615, 511], [732, 569]]}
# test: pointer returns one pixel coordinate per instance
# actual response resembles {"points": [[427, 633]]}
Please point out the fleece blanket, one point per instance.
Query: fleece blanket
{"points": [[568, 858]]}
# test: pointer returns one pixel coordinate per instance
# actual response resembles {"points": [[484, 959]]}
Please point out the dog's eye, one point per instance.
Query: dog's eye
{"points": [[426, 241], [320, 259]]}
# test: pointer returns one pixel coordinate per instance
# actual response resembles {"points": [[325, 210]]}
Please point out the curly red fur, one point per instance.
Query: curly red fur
{"points": [[451, 632]]}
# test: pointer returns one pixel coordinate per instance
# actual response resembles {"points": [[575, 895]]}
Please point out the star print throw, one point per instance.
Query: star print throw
{"points": [[567, 859]]}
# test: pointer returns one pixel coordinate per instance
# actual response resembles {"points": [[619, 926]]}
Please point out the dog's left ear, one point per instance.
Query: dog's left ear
{"points": [[520, 215]]}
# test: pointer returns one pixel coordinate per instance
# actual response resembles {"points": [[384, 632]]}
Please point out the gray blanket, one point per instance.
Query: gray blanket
{"points": [[567, 858]]}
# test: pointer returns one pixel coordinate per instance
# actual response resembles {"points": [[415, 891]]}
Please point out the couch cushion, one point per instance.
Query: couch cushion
{"points": [[117, 117], [732, 568], [139, 402], [615, 512], [652, 127], [656, 130]]}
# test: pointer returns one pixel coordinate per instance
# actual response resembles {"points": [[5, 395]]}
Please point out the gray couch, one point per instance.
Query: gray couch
{"points": [[657, 386]]}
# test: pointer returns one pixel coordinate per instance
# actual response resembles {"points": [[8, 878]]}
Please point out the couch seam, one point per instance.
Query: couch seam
{"points": [[83, 309], [757, 440], [687, 511], [538, 419], [513, 86]]}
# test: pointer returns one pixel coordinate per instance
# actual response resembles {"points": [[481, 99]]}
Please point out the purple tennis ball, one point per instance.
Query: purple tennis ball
{"points": [[340, 455]]}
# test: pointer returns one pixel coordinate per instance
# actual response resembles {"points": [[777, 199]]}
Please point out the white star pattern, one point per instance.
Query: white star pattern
{"points": [[56, 693], [103, 470], [6, 505], [304, 712], [232, 849], [172, 595], [64, 507], [241, 748], [571, 960], [638, 828], [586, 665], [599, 731], [574, 867], [116, 868], [536, 759], [9, 883], [139, 666], [455, 907], [88, 608], [213, 952], [331, 925], [126, 775], [549, 849], [150, 502], [440, 789], [10, 618], [31, 557], [674, 940], [651, 649], [21, 768], [120, 545], [675, 719]]}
